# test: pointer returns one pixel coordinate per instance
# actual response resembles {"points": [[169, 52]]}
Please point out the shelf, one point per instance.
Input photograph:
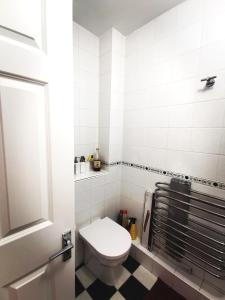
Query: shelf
{"points": [[89, 175]]}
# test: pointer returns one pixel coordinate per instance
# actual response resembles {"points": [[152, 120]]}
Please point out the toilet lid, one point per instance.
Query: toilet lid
{"points": [[107, 237]]}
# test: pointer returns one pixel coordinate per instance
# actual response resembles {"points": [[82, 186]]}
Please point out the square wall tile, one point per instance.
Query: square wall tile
{"points": [[88, 135], [221, 168], [106, 42], [212, 58], [82, 218], [88, 41], [153, 157], [206, 140], [83, 195], [179, 139], [189, 12], [156, 137], [106, 63], [189, 39], [166, 24], [211, 11], [181, 116], [212, 28], [222, 142], [88, 118], [88, 62], [208, 114], [88, 99], [97, 195]]}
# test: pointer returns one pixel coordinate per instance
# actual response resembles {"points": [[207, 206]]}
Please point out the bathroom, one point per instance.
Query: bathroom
{"points": [[139, 98], [112, 150]]}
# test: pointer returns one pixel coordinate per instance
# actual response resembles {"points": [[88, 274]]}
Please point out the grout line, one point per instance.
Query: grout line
{"points": [[219, 153], [175, 104], [170, 127]]}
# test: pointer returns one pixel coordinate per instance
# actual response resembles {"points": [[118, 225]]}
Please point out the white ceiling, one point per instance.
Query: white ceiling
{"points": [[125, 15]]}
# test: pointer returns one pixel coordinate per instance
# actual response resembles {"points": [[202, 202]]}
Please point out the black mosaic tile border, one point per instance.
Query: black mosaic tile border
{"points": [[207, 182], [116, 163]]}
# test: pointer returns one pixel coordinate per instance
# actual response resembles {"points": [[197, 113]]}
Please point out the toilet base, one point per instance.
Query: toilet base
{"points": [[110, 275]]}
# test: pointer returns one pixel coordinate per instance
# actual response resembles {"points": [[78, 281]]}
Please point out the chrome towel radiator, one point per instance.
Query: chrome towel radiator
{"points": [[189, 226]]}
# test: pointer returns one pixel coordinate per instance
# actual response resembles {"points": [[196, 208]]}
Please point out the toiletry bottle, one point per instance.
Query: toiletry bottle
{"points": [[120, 217], [74, 163], [97, 164], [89, 162], [82, 164], [133, 228], [76, 166], [125, 219]]}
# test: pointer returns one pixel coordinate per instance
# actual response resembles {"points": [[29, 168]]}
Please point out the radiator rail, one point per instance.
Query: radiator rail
{"points": [[189, 226]]}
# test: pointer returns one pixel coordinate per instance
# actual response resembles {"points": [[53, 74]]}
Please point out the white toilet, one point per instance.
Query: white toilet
{"points": [[107, 246]]}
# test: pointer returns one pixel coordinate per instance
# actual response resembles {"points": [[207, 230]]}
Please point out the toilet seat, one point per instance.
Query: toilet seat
{"points": [[110, 240]]}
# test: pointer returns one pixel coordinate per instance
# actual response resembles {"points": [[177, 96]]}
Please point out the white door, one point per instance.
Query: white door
{"points": [[36, 150]]}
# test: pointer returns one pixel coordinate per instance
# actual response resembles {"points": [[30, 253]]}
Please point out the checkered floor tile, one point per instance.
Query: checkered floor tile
{"points": [[134, 283]]}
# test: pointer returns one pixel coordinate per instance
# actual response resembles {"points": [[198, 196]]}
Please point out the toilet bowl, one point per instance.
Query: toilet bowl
{"points": [[107, 246]]}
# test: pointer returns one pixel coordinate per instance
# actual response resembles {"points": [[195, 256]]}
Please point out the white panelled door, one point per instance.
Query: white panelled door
{"points": [[36, 150]]}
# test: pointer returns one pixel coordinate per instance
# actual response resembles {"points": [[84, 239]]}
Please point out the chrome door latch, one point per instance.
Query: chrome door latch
{"points": [[67, 246]]}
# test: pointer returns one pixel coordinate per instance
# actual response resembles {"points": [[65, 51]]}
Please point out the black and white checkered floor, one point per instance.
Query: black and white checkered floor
{"points": [[135, 283]]}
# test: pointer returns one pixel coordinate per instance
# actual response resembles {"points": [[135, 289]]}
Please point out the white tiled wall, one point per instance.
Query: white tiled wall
{"points": [[171, 121], [95, 198], [112, 57], [99, 112], [117, 96], [86, 90], [105, 63]]}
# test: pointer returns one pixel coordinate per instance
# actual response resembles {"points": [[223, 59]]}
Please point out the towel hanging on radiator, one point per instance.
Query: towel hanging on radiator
{"points": [[146, 218], [177, 215]]}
